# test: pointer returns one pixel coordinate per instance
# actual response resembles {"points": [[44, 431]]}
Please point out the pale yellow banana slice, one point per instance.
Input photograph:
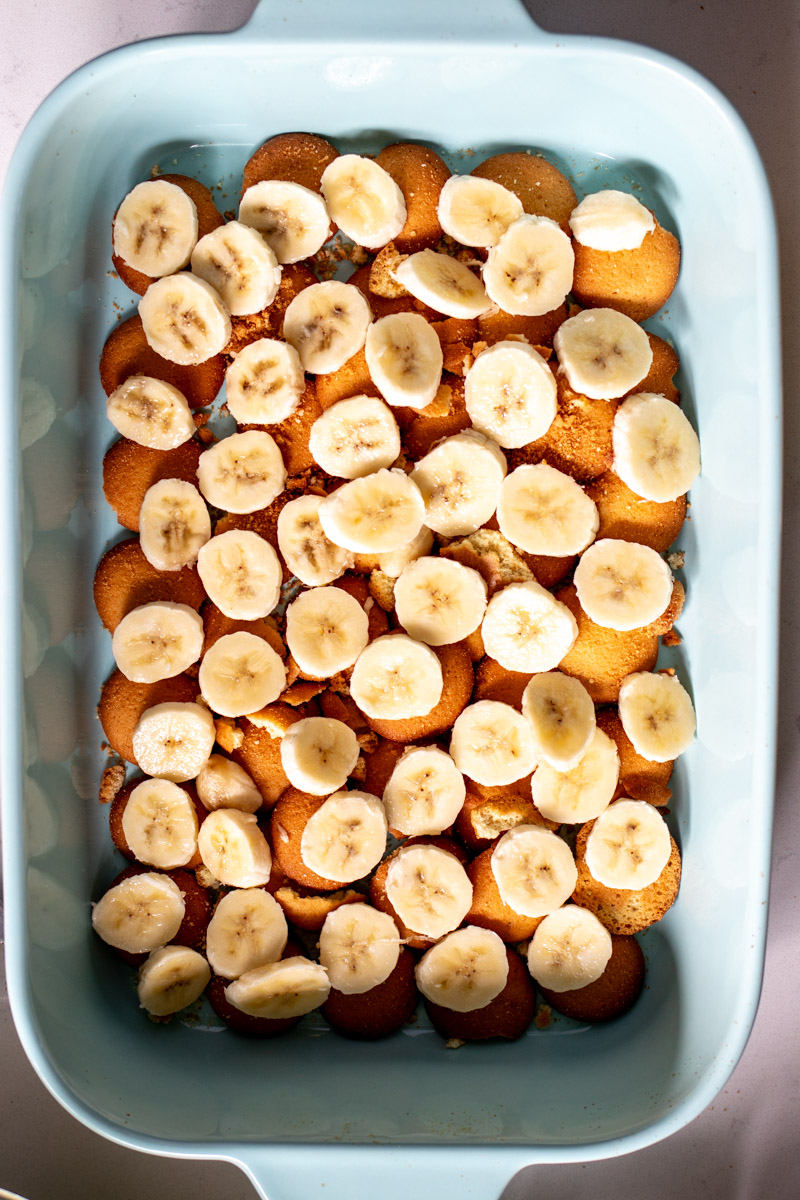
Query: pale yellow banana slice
{"points": [[393, 562], [355, 437], [241, 573], [561, 716], [150, 412], [326, 630], [439, 601], [429, 890], [383, 511], [174, 740], [526, 629], [241, 673], [156, 641], [492, 743], [363, 200], [476, 212], [172, 978], [404, 357], [396, 678], [657, 714], [242, 473], [264, 383], [160, 824], [327, 324], [611, 221], [222, 783], [173, 524], [534, 870], [280, 991], [460, 483], [603, 353], [581, 792], [318, 754], [184, 319], [629, 845], [155, 228], [465, 971], [529, 271], [240, 266], [292, 219], [234, 849], [358, 947], [140, 913], [443, 283], [425, 792], [622, 585], [570, 949], [510, 394], [248, 930], [544, 511], [656, 450], [307, 552], [346, 837]]}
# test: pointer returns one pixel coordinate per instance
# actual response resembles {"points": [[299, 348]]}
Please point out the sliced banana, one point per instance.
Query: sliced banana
{"points": [[603, 353], [443, 283], [318, 754], [560, 712], [327, 324], [404, 357], [526, 629], [241, 573], [510, 394], [439, 601], [292, 220], [363, 200], [465, 971], [358, 947], [140, 914], [184, 319], [460, 483], [396, 678], [157, 641], [241, 673], [429, 890], [171, 978], [248, 930], [346, 837], [529, 271], [476, 212], [657, 714], [242, 473], [174, 740], [383, 511], [240, 266], [570, 949], [492, 743], [222, 783], [425, 792], [355, 437], [307, 552], [393, 562], [234, 849], [622, 585], [656, 450], [326, 630], [155, 228], [629, 845], [280, 991], [173, 524], [611, 221], [544, 511], [150, 412], [160, 824], [581, 792], [264, 383], [534, 870]]}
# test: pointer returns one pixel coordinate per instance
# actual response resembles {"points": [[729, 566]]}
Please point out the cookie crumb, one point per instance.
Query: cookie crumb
{"points": [[111, 781], [544, 1016], [454, 1043]]}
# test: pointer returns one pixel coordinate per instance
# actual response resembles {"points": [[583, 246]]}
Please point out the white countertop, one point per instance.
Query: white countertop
{"points": [[745, 1145]]}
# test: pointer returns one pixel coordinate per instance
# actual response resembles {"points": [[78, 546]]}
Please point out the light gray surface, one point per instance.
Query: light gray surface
{"points": [[745, 1144]]}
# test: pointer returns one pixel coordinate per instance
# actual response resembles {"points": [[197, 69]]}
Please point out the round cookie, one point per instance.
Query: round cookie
{"points": [[259, 753], [626, 910], [381, 763], [380, 1011], [117, 809], [377, 886], [616, 991], [489, 910], [124, 580], [384, 306], [291, 435], [130, 469], [351, 379], [308, 910], [420, 174], [578, 441], [507, 1016], [122, 703], [659, 378], [493, 682], [192, 930], [216, 625], [268, 323], [483, 819], [290, 816], [490, 553], [458, 683], [542, 188], [358, 587], [294, 157], [631, 518], [444, 417], [634, 282], [601, 658], [264, 522], [639, 778], [241, 1022], [538, 331], [127, 353]]}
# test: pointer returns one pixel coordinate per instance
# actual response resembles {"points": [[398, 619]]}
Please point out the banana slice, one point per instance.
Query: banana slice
{"points": [[157, 641], [241, 573], [581, 792], [510, 394], [355, 437], [429, 890], [240, 266], [534, 870], [150, 412], [171, 978], [439, 601], [139, 914], [611, 221], [327, 324], [234, 849], [184, 319], [622, 585], [293, 220], [264, 383], [425, 792], [396, 678], [657, 715], [318, 755], [326, 630], [656, 450], [544, 511], [241, 673], [561, 716], [307, 552], [173, 524], [155, 228], [248, 930], [363, 200], [394, 562], [174, 740], [279, 991], [492, 743], [460, 483], [529, 271], [526, 629], [358, 947], [570, 949], [476, 212], [346, 837], [222, 783], [382, 511], [242, 473], [629, 845], [443, 283], [465, 971], [603, 353], [160, 824], [404, 358]]}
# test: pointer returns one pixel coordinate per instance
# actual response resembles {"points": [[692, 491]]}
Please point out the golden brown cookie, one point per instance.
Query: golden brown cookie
{"points": [[601, 658], [124, 580], [264, 522], [127, 353], [542, 188], [659, 378], [117, 809], [458, 680], [308, 910], [639, 778], [507, 1016], [490, 553], [380, 1011], [631, 518], [130, 469], [197, 914], [260, 755], [377, 886], [493, 682], [216, 625], [635, 282], [241, 1022], [122, 703], [484, 818], [290, 816], [538, 331], [358, 587], [489, 910], [420, 174], [268, 323], [291, 435], [351, 379], [578, 441], [625, 910], [616, 991], [439, 420], [295, 157]]}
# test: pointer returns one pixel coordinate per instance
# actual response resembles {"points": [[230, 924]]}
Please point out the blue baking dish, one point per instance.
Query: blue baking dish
{"points": [[311, 1114]]}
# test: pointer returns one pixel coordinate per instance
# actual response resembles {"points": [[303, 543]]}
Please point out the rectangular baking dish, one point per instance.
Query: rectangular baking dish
{"points": [[312, 1109]]}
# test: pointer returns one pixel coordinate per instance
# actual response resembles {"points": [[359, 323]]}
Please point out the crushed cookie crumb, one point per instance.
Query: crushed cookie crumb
{"points": [[111, 781], [544, 1016], [454, 1043]]}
